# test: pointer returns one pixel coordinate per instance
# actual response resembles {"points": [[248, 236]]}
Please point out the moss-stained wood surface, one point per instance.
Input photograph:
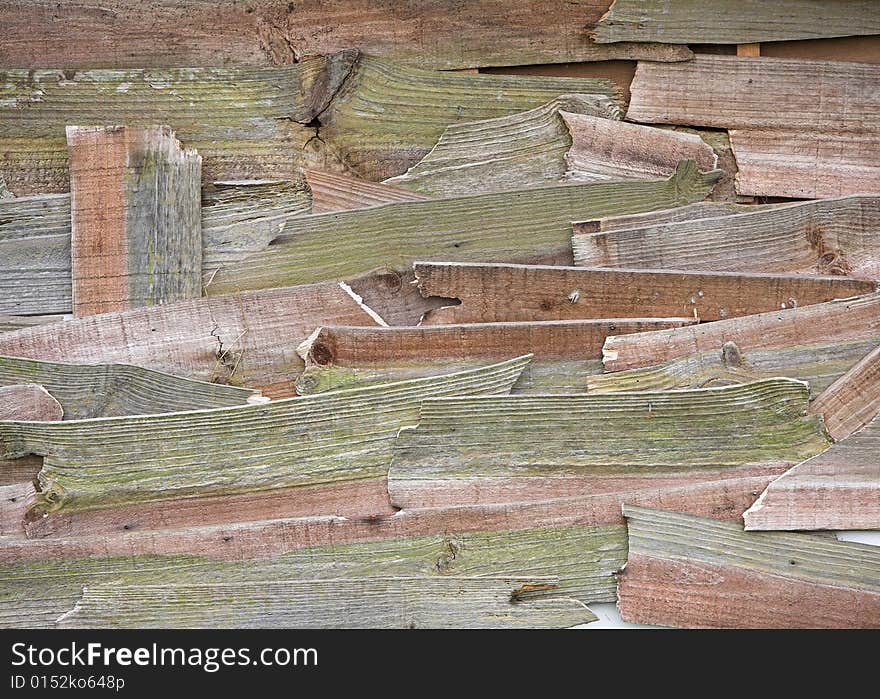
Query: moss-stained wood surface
{"points": [[831, 236], [105, 390], [838, 489], [735, 21], [806, 164], [820, 364], [691, 571], [245, 339], [136, 233], [520, 226], [835, 321], [557, 446], [309, 440], [28, 402], [853, 400], [563, 351], [492, 293], [509, 152], [185, 33], [332, 192]]}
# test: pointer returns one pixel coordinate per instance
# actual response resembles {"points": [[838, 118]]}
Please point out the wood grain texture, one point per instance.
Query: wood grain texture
{"points": [[691, 571], [523, 225], [185, 33], [136, 233], [831, 236], [558, 446], [509, 152], [345, 357], [106, 390], [8, 323], [242, 339], [734, 21], [838, 489], [806, 164], [309, 440], [838, 320], [853, 400], [689, 212], [28, 402], [492, 293], [332, 192]]}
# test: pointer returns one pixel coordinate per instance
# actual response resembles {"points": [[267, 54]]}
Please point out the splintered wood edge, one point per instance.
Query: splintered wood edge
{"points": [[28, 402], [853, 400]]}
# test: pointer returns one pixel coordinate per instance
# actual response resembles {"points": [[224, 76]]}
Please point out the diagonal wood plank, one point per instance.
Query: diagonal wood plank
{"points": [[332, 192], [853, 400], [28, 402]]}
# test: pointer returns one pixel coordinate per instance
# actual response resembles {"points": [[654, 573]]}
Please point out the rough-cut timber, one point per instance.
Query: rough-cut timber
{"points": [[331, 192], [245, 339], [510, 152], [106, 390], [28, 402], [691, 571], [136, 233], [691, 212], [853, 400], [830, 236], [184, 33], [806, 164], [522, 448], [841, 319], [493, 293], [735, 21], [838, 489], [563, 351], [820, 364], [532, 225], [310, 440]]}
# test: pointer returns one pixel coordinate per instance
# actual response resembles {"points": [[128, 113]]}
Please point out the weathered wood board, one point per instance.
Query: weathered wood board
{"points": [[332, 192], [28, 402], [689, 212], [853, 400]]}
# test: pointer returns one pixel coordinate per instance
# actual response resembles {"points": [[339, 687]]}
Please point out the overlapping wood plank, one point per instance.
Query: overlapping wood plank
{"points": [[853, 400], [27, 402], [492, 293], [332, 192], [8, 323], [691, 571], [690, 212]]}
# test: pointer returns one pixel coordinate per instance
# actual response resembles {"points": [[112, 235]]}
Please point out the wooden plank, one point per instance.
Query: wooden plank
{"points": [[691, 571], [309, 440], [242, 339], [735, 21], [28, 402], [345, 357], [332, 192], [835, 490], [189, 33], [832, 236], [524, 225], [740, 93], [853, 400], [493, 293], [690, 212], [838, 320], [805, 164], [557, 446], [8, 323], [106, 390], [136, 234], [753, 49]]}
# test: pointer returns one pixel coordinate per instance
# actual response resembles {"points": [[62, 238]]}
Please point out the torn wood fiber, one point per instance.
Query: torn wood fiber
{"points": [[691, 571], [564, 293]]}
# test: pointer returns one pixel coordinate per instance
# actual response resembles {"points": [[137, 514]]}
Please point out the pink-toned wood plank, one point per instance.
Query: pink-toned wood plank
{"points": [[28, 402], [332, 192], [853, 400]]}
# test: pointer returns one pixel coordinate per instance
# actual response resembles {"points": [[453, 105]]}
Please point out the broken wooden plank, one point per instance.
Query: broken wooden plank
{"points": [[820, 364], [28, 402], [493, 293], [557, 446], [691, 571], [690, 212], [310, 440], [345, 357], [332, 192], [525, 225], [831, 236], [185, 33], [734, 21], [838, 489], [806, 164], [853, 400], [245, 339], [841, 319], [107, 390], [136, 234], [509, 152]]}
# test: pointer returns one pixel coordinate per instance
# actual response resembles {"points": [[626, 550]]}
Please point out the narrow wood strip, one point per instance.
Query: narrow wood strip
{"points": [[28, 402], [690, 212], [9, 323], [853, 400], [492, 293], [842, 319], [691, 571], [136, 234], [332, 192], [245, 339], [831, 236]]}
